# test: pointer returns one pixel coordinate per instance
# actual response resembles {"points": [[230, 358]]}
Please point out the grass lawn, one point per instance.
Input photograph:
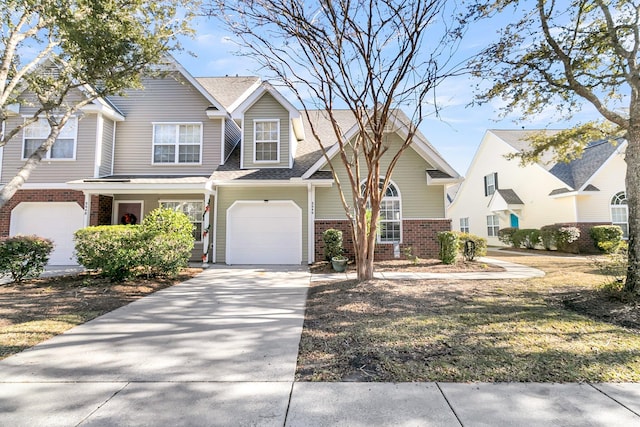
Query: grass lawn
{"points": [[558, 328]]}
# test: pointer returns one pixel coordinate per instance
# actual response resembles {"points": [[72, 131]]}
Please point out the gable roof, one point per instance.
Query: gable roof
{"points": [[575, 173], [400, 123], [307, 154], [229, 90]]}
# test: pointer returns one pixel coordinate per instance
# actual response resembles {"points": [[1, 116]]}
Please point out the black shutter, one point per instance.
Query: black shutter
{"points": [[485, 186], [495, 180]]}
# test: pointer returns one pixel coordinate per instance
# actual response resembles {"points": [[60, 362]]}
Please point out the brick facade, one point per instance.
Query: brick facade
{"points": [[36, 196], [101, 210], [420, 234]]}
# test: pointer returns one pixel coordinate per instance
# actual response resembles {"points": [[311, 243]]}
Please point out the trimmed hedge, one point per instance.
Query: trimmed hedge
{"points": [[448, 241], [505, 235], [24, 257], [160, 246], [606, 238], [332, 239], [548, 236], [526, 237]]}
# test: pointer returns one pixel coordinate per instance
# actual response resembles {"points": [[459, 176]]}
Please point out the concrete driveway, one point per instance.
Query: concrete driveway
{"points": [[221, 345]]}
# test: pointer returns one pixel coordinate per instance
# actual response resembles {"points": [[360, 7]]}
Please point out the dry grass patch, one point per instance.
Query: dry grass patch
{"points": [[42, 308], [502, 330]]}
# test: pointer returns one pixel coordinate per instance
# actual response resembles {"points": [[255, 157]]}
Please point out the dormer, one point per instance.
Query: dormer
{"points": [[271, 128]]}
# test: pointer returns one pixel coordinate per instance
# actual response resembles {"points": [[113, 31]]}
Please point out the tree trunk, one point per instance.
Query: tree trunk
{"points": [[365, 241], [632, 157]]}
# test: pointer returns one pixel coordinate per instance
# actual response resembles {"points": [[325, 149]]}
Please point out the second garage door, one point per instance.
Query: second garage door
{"points": [[260, 232]]}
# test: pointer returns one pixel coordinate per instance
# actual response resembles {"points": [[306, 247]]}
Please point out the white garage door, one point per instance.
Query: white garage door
{"points": [[54, 220], [261, 232]]}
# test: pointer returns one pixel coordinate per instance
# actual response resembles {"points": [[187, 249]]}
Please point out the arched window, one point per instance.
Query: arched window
{"points": [[620, 212], [390, 223]]}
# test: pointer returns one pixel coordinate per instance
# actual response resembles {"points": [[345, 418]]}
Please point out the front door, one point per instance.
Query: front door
{"points": [[515, 221], [128, 212]]}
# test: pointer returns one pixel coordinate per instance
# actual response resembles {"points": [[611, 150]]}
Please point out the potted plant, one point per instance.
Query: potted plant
{"points": [[339, 263]]}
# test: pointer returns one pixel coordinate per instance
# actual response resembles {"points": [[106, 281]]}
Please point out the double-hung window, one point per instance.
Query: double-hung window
{"points": [[64, 148], [177, 143], [490, 184], [266, 137], [620, 213], [493, 225], [464, 225], [193, 209]]}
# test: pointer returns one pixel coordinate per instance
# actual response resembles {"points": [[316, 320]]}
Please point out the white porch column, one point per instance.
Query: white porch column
{"points": [[87, 209], [206, 229]]}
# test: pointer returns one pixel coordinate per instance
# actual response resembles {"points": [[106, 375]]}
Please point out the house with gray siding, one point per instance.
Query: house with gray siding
{"points": [[233, 154]]}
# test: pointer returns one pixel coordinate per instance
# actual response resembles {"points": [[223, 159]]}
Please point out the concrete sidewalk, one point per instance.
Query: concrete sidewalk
{"points": [[221, 349]]}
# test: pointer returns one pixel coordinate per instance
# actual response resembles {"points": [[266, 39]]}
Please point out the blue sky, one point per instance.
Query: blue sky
{"points": [[456, 134]]}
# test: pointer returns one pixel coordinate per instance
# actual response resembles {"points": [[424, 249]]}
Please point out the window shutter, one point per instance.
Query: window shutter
{"points": [[485, 186], [495, 180]]}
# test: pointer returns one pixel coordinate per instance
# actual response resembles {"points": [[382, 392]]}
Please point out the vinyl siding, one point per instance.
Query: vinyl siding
{"points": [[168, 99], [152, 201], [595, 206], [228, 195], [531, 183], [232, 135], [267, 107], [107, 147], [419, 200], [53, 171]]}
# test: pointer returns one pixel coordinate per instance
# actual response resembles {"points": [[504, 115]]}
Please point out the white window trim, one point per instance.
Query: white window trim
{"points": [[399, 199], [618, 206], [176, 144], [493, 225], [492, 185], [161, 201], [256, 121], [48, 157], [466, 226]]}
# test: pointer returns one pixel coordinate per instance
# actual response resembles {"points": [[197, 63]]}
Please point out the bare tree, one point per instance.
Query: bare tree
{"points": [[51, 49], [369, 56], [566, 54]]}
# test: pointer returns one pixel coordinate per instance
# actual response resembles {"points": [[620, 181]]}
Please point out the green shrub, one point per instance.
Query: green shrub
{"points": [[606, 238], [505, 235], [167, 238], [160, 246], [548, 236], [527, 237], [448, 241], [115, 250], [565, 237], [24, 256], [332, 239], [480, 245]]}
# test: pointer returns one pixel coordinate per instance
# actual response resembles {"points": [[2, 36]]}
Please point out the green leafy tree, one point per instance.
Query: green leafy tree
{"points": [[570, 54], [369, 56], [49, 49]]}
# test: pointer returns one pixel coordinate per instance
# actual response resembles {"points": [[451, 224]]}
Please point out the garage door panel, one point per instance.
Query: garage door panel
{"points": [[56, 221], [264, 233]]}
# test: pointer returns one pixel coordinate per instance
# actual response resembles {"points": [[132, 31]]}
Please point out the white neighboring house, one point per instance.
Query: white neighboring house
{"points": [[499, 193]]}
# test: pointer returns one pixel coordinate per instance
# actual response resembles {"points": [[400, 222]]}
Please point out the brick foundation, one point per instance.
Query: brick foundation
{"points": [[420, 234], [36, 196]]}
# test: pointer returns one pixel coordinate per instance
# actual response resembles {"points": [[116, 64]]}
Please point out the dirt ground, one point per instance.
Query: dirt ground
{"points": [[423, 265]]}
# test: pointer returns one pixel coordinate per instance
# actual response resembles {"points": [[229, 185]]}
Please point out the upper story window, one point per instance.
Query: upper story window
{"points": [[490, 184], [620, 213], [266, 140], [390, 220], [177, 143], [63, 149], [464, 225]]}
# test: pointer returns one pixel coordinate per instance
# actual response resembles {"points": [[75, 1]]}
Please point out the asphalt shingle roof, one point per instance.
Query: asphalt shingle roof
{"points": [[510, 196], [226, 90]]}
